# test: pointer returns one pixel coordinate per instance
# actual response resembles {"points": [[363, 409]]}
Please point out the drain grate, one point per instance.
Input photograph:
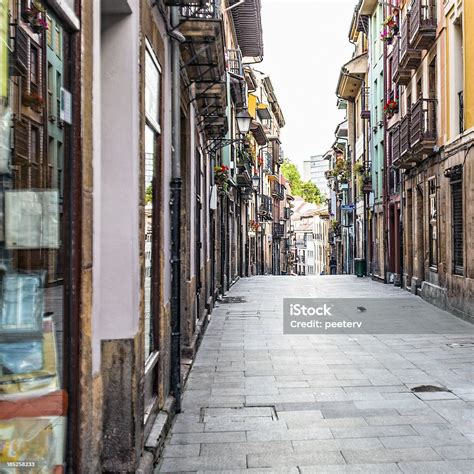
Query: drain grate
{"points": [[461, 344], [429, 388], [232, 300]]}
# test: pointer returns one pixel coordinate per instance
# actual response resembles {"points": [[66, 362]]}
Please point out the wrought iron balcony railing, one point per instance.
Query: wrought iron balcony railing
{"points": [[422, 23], [278, 230], [278, 190], [423, 132], [266, 207], [461, 111], [234, 62], [365, 105], [209, 10]]}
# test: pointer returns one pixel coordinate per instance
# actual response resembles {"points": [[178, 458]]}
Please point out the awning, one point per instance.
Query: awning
{"points": [[248, 26], [352, 76], [259, 133]]}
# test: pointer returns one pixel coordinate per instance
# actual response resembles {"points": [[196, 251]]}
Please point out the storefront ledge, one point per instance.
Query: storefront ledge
{"points": [[156, 439]]}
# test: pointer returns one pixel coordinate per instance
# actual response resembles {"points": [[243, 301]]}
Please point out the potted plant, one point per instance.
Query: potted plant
{"points": [[39, 24], [221, 178], [389, 28], [33, 100], [391, 108]]}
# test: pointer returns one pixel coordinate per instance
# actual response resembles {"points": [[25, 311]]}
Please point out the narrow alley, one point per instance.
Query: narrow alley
{"points": [[260, 401]]}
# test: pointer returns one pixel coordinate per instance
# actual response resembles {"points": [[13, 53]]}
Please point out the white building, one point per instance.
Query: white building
{"points": [[314, 170]]}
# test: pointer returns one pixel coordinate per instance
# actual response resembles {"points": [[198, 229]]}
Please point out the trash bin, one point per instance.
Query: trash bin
{"points": [[359, 266]]}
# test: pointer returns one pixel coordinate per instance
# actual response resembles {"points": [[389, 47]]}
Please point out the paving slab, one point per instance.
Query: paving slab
{"points": [[258, 401]]}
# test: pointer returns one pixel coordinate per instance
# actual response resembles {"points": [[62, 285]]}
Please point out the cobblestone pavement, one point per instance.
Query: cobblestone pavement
{"points": [[260, 401]]}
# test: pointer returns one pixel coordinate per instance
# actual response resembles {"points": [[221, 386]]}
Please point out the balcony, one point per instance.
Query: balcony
{"points": [[278, 191], [400, 75], [265, 211], [278, 230], [410, 57], [423, 126], [394, 134], [204, 62], [422, 24], [238, 85], [405, 137], [244, 170], [365, 105]]}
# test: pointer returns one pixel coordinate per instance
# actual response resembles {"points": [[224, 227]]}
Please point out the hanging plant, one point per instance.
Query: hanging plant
{"points": [[38, 25], [359, 168], [389, 28], [391, 108]]}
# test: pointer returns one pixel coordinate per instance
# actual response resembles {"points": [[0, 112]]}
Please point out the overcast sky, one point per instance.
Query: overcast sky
{"points": [[306, 43]]}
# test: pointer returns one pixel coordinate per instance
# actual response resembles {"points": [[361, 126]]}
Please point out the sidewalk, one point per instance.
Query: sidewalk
{"points": [[260, 401]]}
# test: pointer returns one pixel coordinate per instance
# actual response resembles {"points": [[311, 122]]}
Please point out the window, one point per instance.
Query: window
{"points": [[458, 225], [49, 33], [151, 139], [35, 144], [433, 223], [152, 89], [57, 41], [34, 66]]}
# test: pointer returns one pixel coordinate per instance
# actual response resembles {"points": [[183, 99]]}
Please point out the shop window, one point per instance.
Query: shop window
{"points": [[150, 192], [433, 223], [32, 297]]}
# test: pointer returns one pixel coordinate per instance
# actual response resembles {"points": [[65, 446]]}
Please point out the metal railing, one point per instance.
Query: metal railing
{"points": [[423, 122], [266, 206], [278, 230], [461, 111], [278, 190], [211, 10], [234, 62], [365, 105]]}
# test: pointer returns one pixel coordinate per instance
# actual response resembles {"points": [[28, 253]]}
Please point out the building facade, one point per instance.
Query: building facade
{"points": [[412, 139], [130, 176]]}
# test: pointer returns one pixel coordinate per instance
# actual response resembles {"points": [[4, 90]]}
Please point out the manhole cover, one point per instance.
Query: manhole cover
{"points": [[232, 300], [429, 388]]}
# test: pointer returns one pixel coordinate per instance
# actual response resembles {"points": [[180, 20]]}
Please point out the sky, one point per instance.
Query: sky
{"points": [[305, 45]]}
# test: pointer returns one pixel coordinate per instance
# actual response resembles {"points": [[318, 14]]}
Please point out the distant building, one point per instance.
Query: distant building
{"points": [[314, 170]]}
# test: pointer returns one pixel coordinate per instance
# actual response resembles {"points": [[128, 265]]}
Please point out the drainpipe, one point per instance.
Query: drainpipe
{"points": [[175, 208], [385, 191]]}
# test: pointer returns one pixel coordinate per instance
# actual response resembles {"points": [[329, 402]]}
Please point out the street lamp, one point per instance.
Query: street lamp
{"points": [[255, 181], [244, 119]]}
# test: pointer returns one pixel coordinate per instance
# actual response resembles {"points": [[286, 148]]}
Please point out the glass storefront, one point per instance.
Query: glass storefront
{"points": [[33, 402]]}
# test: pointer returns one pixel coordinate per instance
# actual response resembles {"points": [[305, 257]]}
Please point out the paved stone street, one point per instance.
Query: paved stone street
{"points": [[260, 401]]}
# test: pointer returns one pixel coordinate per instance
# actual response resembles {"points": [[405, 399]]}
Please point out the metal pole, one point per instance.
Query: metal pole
{"points": [[175, 208]]}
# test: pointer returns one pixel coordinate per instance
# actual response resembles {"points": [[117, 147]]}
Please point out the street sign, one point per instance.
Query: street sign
{"points": [[347, 207]]}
